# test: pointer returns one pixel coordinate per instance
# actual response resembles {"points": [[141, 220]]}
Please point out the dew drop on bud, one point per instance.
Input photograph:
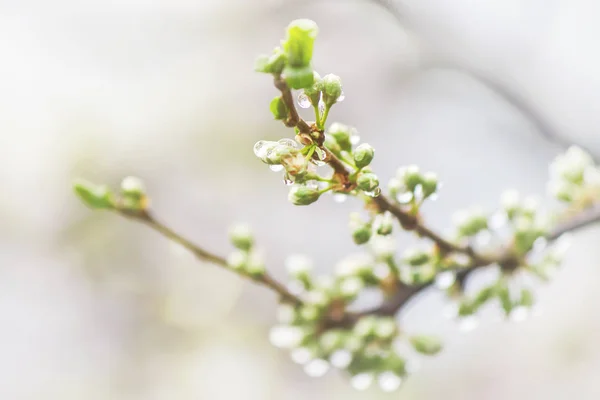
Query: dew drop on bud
{"points": [[288, 142], [445, 279], [276, 167], [374, 193], [316, 368], [341, 359], [361, 381], [342, 97], [260, 148], [340, 197], [321, 106], [389, 381], [303, 100]]}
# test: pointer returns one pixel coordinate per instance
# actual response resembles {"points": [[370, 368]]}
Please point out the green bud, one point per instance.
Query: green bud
{"points": [[271, 64], [383, 224], [299, 267], [237, 260], [132, 186], [301, 35], [563, 191], [241, 237], [332, 89], [361, 231], [278, 108], [341, 134], [92, 195], [385, 328], [429, 345], [571, 165], [367, 181], [366, 326], [466, 308], [350, 287], [416, 257], [470, 222], [314, 92], [255, 266], [310, 313], [526, 233], [410, 176], [332, 340], [303, 195], [429, 184], [363, 155], [278, 153], [299, 77], [511, 203]]}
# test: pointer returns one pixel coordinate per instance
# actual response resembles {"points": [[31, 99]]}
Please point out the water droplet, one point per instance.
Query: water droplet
{"points": [[374, 193], [316, 368], [389, 381], [404, 198], [288, 142], [341, 359], [468, 323], [276, 167], [340, 197], [284, 336], [418, 192], [303, 100], [519, 314], [362, 381], [301, 355], [321, 106], [445, 279], [354, 138], [260, 148], [341, 98]]}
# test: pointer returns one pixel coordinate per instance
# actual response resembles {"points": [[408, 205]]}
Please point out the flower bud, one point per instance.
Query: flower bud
{"points": [[383, 224], [350, 287], [363, 155], [341, 133], [428, 345], [314, 92], [303, 195], [410, 176], [301, 35], [385, 328], [299, 266], [429, 184], [416, 257], [510, 203], [563, 191], [255, 266], [332, 89], [94, 196], [470, 222], [241, 237], [361, 231], [367, 182], [571, 165], [278, 108], [237, 260]]}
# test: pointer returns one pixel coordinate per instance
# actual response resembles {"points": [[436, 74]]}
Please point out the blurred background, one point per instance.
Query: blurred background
{"points": [[96, 307]]}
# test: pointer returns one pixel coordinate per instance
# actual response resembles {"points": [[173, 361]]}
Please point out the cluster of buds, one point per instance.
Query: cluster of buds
{"points": [[369, 348], [245, 260], [575, 179], [410, 186], [132, 196]]}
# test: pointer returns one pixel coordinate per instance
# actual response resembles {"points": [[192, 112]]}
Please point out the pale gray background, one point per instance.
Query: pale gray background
{"points": [[95, 307]]}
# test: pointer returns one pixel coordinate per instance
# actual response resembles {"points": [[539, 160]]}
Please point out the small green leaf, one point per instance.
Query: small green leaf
{"points": [[278, 108], [94, 196], [429, 345]]}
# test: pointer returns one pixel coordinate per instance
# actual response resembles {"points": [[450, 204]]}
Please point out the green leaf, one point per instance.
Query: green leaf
{"points": [[429, 345], [278, 108], [92, 195]]}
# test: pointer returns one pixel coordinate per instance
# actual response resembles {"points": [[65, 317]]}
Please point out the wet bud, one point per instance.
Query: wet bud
{"points": [[416, 257], [410, 176], [363, 155], [299, 77], [429, 345], [299, 42], [241, 237], [332, 89], [470, 222], [367, 182], [429, 184], [361, 231], [383, 223], [278, 153], [92, 195], [271, 64], [303, 195], [341, 133], [278, 108]]}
